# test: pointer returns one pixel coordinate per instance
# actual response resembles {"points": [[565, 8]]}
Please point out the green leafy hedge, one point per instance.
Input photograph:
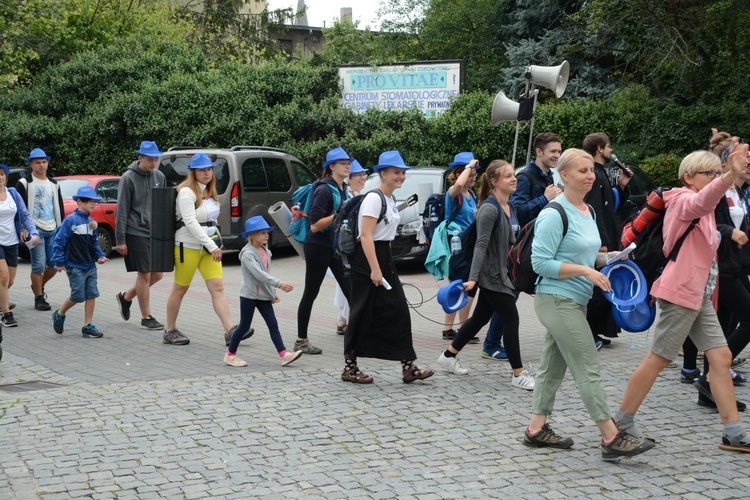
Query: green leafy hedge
{"points": [[91, 113]]}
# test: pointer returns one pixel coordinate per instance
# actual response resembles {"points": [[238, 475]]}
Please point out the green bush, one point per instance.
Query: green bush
{"points": [[662, 169]]}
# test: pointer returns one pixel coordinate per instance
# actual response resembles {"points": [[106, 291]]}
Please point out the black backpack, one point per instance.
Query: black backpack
{"points": [[346, 225], [436, 202], [520, 271], [469, 237]]}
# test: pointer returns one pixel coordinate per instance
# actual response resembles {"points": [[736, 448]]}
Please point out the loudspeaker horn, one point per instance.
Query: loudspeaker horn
{"points": [[504, 109], [554, 78]]}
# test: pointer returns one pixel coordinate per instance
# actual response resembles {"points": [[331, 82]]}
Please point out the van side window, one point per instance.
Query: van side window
{"points": [[301, 173], [253, 175], [278, 175]]}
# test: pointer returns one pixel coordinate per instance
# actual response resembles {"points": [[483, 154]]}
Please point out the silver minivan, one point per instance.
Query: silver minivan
{"points": [[249, 179]]}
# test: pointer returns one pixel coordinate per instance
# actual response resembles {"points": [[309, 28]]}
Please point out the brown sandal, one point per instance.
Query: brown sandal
{"points": [[356, 376], [414, 373]]}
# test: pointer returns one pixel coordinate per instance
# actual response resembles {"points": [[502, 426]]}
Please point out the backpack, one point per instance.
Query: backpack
{"points": [[646, 231], [301, 204], [469, 237], [520, 271], [346, 225], [436, 202]]}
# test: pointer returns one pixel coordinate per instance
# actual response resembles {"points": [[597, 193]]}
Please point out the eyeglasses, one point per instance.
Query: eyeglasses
{"points": [[711, 174]]}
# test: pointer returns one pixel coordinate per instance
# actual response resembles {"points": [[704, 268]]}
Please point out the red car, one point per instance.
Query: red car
{"points": [[106, 187]]}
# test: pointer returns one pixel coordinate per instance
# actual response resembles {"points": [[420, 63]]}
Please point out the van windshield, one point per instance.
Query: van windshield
{"points": [[175, 169]]}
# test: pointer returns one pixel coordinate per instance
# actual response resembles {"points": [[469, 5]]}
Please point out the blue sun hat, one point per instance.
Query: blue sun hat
{"points": [[390, 159], [462, 159], [335, 155], [86, 192], [255, 224], [37, 153], [637, 318], [149, 148], [200, 160], [357, 168], [452, 296], [629, 285]]}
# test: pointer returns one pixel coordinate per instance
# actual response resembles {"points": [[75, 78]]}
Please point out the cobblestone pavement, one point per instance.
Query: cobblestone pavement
{"points": [[134, 418]]}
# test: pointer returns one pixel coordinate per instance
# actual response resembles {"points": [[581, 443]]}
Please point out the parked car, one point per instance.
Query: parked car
{"points": [[406, 247], [249, 180], [106, 187]]}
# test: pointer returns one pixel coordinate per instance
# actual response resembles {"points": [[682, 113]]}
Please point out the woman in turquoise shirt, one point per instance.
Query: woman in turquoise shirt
{"points": [[567, 276]]}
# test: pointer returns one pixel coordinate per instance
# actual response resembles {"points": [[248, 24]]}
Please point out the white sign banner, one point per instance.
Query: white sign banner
{"points": [[428, 87]]}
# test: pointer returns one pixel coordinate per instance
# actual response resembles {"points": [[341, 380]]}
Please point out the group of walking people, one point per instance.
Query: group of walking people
{"points": [[567, 254]]}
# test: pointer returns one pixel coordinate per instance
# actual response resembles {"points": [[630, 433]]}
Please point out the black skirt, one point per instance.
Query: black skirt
{"points": [[379, 321]]}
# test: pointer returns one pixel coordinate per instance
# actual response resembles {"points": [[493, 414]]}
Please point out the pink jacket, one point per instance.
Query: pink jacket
{"points": [[684, 280]]}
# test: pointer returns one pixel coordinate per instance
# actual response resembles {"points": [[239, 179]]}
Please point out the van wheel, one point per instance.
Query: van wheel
{"points": [[105, 239]]}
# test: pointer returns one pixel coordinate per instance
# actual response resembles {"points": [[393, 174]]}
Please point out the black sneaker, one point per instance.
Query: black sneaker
{"points": [[625, 445], [175, 337], [742, 444], [706, 399], [546, 438], [449, 334], [8, 320], [474, 340], [306, 347], [40, 304], [228, 335], [151, 324], [340, 329], [124, 306]]}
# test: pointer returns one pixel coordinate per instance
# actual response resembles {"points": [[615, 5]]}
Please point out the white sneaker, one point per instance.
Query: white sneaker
{"points": [[524, 381], [290, 357], [452, 364], [234, 360]]}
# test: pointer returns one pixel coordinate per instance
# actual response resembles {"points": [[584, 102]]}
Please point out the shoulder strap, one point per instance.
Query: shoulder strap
{"points": [[336, 197], [383, 205], [678, 245], [563, 215], [456, 207]]}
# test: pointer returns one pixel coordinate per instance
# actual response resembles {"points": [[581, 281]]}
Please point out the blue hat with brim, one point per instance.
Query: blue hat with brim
{"points": [[462, 159], [390, 159], [37, 153], [629, 285], [637, 318], [452, 297], [357, 168], [86, 192], [255, 224], [149, 148], [200, 160], [6, 168], [335, 155]]}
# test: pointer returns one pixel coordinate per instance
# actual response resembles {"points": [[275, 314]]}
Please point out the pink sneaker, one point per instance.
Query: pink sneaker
{"points": [[234, 360], [290, 357]]}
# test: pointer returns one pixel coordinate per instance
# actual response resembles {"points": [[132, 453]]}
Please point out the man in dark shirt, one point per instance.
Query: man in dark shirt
{"points": [[535, 187]]}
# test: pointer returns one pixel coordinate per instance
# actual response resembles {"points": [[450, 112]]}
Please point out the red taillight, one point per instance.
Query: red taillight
{"points": [[236, 201]]}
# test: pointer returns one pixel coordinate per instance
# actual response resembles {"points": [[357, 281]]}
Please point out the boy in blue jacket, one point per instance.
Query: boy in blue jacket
{"points": [[75, 250]]}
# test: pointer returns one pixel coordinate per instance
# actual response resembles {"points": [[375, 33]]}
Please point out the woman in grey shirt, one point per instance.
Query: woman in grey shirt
{"points": [[489, 271]]}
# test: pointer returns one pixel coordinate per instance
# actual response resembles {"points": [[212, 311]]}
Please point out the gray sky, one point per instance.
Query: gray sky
{"points": [[319, 11]]}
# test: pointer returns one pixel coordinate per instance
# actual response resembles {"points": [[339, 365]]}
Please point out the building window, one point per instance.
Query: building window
{"points": [[286, 46]]}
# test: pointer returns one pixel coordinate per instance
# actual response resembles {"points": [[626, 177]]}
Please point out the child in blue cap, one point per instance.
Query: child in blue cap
{"points": [[75, 250], [258, 291]]}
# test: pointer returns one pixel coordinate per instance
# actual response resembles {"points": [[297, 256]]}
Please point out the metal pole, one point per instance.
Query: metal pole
{"points": [[515, 144], [531, 130]]}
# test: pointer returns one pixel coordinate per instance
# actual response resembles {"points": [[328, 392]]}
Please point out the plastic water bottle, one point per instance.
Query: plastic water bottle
{"points": [[455, 243], [433, 218]]}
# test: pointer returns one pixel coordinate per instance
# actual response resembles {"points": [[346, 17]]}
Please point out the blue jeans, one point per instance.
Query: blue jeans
{"points": [[494, 339], [41, 255]]}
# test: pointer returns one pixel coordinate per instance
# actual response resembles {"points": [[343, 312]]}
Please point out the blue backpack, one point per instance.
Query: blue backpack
{"points": [[301, 204]]}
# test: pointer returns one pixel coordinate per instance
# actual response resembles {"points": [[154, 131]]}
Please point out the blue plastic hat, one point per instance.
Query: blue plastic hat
{"points": [[357, 168], [462, 159], [200, 160], [637, 318], [255, 224], [629, 286], [6, 168], [335, 155], [149, 148], [86, 192], [37, 153], [390, 159], [452, 296]]}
